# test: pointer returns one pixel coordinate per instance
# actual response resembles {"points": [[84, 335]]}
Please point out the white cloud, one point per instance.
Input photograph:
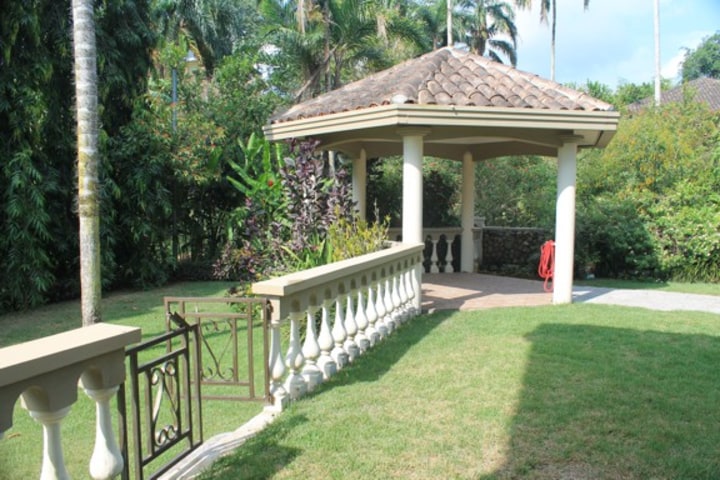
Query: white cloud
{"points": [[613, 41]]}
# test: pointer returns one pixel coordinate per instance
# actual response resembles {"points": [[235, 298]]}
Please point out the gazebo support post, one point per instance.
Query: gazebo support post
{"points": [[412, 200], [468, 214], [565, 222], [359, 184]]}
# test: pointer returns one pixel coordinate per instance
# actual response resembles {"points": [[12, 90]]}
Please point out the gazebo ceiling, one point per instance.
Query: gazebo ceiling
{"points": [[463, 102]]}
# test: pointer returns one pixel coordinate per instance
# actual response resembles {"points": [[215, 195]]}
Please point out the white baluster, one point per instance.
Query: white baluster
{"points": [[295, 384], [352, 343], [276, 366], [339, 334], [106, 461], [326, 363], [409, 287], [53, 463], [403, 296], [434, 268], [415, 276], [390, 318], [311, 351], [380, 325], [363, 339], [396, 302], [372, 332]]}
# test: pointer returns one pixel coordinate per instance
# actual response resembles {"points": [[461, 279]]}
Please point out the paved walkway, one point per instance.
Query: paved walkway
{"points": [[472, 291]]}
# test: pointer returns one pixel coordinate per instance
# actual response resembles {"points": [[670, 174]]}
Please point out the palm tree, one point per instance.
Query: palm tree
{"points": [[485, 23], [549, 6], [86, 91], [341, 36]]}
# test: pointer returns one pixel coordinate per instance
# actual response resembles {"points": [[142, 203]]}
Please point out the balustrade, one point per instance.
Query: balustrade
{"points": [[368, 297], [443, 248], [45, 374]]}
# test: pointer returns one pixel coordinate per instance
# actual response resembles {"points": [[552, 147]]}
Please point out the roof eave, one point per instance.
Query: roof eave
{"points": [[603, 122]]}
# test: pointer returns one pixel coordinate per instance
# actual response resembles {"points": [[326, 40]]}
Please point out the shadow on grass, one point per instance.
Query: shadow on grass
{"points": [[264, 455], [380, 358], [261, 456], [606, 403]]}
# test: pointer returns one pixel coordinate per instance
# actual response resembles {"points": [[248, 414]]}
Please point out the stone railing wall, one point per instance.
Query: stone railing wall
{"points": [[494, 247], [505, 247], [45, 375], [345, 308]]}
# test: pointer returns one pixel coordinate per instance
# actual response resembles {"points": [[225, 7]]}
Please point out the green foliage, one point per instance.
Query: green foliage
{"points": [[258, 178], [612, 240], [686, 223], [441, 184], [352, 237], [516, 191], [647, 203], [139, 202], [704, 61]]}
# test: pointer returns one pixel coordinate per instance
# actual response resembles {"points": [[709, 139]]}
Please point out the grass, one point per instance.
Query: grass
{"points": [[579, 391], [21, 449], [583, 391]]}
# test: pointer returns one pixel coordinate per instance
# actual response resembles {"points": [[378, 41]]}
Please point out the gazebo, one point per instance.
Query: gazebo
{"points": [[456, 105]]}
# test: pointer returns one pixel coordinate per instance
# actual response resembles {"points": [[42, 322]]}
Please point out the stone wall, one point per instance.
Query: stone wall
{"points": [[511, 250]]}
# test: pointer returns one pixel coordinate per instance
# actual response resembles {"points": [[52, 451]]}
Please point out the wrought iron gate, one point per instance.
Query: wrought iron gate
{"points": [[212, 349], [165, 409], [233, 339]]}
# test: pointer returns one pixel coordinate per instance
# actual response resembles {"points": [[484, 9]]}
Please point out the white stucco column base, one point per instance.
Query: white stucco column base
{"points": [[359, 184], [565, 222], [467, 253], [412, 201]]}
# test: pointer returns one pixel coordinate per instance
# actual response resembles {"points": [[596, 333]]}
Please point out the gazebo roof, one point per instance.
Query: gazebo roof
{"points": [[464, 103]]}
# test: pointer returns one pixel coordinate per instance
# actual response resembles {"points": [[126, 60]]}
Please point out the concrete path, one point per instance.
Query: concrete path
{"points": [[652, 299]]}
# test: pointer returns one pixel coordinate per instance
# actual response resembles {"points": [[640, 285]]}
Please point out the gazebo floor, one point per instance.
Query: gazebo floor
{"points": [[474, 291]]}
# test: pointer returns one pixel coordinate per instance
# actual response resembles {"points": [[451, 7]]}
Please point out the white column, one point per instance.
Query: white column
{"points": [[467, 253], [412, 183], [565, 223], [359, 184], [106, 461], [53, 464]]}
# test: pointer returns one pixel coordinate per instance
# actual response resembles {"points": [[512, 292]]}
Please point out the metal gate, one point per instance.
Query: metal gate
{"points": [[164, 394], [214, 348], [233, 339]]}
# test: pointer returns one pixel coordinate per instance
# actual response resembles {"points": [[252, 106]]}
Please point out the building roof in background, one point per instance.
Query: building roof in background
{"points": [[705, 90]]}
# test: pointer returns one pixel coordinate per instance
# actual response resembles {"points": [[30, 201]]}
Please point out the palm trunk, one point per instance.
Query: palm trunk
{"points": [[88, 159], [552, 41], [449, 24]]}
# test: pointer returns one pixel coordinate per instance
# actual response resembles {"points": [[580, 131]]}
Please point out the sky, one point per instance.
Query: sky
{"points": [[613, 41]]}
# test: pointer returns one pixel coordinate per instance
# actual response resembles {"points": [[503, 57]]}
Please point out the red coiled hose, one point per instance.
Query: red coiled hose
{"points": [[547, 263]]}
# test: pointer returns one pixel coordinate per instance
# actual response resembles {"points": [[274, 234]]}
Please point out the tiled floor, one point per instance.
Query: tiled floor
{"points": [[474, 291]]}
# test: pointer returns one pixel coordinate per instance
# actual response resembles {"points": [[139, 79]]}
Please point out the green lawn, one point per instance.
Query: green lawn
{"points": [[21, 449], [579, 391]]}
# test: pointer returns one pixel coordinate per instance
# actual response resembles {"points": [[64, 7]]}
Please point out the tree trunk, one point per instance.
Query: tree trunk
{"points": [[88, 158], [552, 41]]}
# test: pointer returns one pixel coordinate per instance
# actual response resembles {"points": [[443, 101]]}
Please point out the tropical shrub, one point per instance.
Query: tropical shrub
{"points": [[352, 237], [441, 187]]}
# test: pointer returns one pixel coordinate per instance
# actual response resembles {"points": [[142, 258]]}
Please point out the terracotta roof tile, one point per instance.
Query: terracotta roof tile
{"points": [[447, 77]]}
